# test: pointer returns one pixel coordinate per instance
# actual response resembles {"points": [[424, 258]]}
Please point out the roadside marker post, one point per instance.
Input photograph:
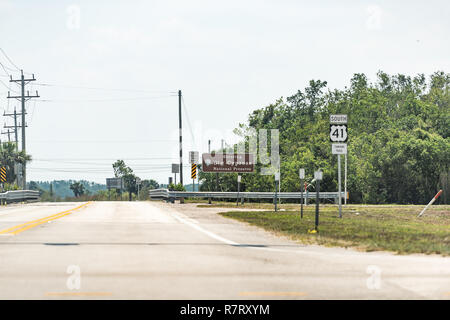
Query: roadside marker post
{"points": [[430, 203], [193, 175], [3, 180], [318, 175], [302, 176], [239, 189], [277, 179]]}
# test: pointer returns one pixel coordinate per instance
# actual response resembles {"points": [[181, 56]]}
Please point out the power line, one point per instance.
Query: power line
{"points": [[188, 120], [10, 61], [105, 89], [104, 141], [103, 100], [115, 158]]}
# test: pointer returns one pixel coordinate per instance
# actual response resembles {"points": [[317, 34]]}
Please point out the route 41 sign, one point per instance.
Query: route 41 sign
{"points": [[338, 133]]}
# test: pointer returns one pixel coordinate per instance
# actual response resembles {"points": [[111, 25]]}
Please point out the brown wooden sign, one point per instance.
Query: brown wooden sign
{"points": [[222, 162]]}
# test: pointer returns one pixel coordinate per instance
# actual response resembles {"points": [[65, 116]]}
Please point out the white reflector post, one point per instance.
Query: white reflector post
{"points": [[430, 203]]}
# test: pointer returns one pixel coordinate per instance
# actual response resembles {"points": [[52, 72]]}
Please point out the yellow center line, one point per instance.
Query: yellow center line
{"points": [[276, 293], [30, 224]]}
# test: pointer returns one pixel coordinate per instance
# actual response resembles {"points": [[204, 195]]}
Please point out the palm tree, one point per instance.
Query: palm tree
{"points": [[9, 156]]}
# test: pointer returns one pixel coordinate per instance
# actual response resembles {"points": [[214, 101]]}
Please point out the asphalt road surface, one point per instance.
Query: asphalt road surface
{"points": [[154, 250]]}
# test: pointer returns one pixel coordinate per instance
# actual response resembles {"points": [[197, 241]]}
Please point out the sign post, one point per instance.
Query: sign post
{"points": [[302, 176], [277, 180], [345, 180], [193, 158], [175, 170], [138, 182], [338, 137], [318, 175], [238, 188]]}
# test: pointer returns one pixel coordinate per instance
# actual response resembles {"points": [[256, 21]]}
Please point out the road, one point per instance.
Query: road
{"points": [[154, 250]]}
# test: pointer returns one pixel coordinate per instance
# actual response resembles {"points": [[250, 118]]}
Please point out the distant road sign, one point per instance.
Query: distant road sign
{"points": [[338, 118], [114, 183], [302, 173], [193, 171], [339, 148], [138, 180], [193, 157], [277, 176], [175, 168], [318, 175], [338, 133], [222, 162]]}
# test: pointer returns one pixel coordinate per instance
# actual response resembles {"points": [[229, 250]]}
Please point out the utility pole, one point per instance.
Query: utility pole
{"points": [[23, 98], [8, 133], [181, 137], [16, 132], [15, 127]]}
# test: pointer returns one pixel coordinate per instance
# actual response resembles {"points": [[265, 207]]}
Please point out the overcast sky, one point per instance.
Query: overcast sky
{"points": [[108, 71]]}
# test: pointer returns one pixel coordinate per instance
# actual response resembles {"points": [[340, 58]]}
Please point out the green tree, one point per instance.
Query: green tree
{"points": [[121, 170], [77, 188], [9, 156]]}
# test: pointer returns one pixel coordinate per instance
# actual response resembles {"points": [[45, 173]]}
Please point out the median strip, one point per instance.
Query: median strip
{"points": [[31, 224]]}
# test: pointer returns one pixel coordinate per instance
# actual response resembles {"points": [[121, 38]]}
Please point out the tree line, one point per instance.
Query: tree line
{"points": [[398, 144]]}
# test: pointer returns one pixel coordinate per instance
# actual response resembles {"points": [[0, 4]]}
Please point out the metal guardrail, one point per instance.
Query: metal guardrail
{"points": [[166, 194], [19, 195]]}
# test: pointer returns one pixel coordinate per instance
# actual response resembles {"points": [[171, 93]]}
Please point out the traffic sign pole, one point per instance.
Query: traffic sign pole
{"points": [[316, 224], [238, 189], [302, 176], [277, 180], [345, 180], [339, 137], [301, 199], [339, 187], [276, 195]]}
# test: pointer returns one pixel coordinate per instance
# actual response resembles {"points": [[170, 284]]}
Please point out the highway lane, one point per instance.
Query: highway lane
{"points": [[153, 250]]}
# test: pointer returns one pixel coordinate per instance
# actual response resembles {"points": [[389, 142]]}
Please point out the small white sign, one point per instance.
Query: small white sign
{"points": [[339, 148], [239, 178], [193, 157], [338, 118], [318, 175], [277, 176], [302, 173]]}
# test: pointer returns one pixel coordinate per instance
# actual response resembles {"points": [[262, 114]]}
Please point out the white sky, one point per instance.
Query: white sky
{"points": [[228, 58]]}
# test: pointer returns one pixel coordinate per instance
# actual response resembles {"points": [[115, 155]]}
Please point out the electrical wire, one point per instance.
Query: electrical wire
{"points": [[188, 120], [103, 89], [10, 61], [102, 100]]}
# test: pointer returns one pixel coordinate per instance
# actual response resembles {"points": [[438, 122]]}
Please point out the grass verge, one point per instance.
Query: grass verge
{"points": [[394, 228]]}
